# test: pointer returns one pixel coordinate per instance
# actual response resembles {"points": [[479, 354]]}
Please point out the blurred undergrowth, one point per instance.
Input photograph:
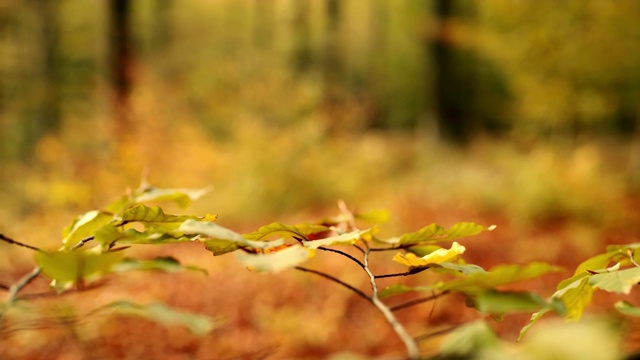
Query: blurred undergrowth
{"points": [[260, 169]]}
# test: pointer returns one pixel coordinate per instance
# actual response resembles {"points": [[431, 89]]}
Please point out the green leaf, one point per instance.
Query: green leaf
{"points": [[534, 319], [499, 275], [154, 218], [620, 281], [199, 325], [597, 262], [504, 302], [84, 226], [166, 263], [626, 308], [349, 238], [182, 197], [71, 266], [399, 289], [109, 235], [275, 229], [435, 233], [469, 340], [276, 261], [221, 240], [575, 296]]}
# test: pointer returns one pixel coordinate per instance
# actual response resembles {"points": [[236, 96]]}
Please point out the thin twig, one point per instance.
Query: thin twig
{"points": [[14, 242], [336, 280], [407, 273], [412, 347], [417, 301], [435, 333], [343, 254], [15, 289], [82, 242], [399, 247]]}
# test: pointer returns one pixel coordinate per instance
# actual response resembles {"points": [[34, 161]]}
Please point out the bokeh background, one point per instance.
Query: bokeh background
{"points": [[523, 114]]}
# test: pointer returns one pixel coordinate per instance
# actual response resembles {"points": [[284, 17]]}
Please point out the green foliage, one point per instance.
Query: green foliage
{"points": [[127, 222], [574, 294], [197, 324]]}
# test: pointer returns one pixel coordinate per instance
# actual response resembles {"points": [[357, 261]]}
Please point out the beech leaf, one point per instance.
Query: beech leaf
{"points": [[619, 281], [437, 257], [166, 264], [435, 233], [276, 261], [84, 226], [197, 324], [70, 266]]}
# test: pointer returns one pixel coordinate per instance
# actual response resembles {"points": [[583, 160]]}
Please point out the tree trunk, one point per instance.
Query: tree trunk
{"points": [[121, 62]]}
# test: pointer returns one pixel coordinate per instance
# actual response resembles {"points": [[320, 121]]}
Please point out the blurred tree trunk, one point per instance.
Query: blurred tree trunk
{"points": [[50, 95], [332, 64], [302, 55], [453, 85], [121, 63]]}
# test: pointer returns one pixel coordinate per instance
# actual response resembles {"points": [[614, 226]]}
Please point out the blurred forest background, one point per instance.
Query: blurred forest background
{"points": [[521, 113]]}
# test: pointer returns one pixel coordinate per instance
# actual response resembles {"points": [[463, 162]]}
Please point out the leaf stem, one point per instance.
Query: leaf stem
{"points": [[410, 344], [336, 280]]}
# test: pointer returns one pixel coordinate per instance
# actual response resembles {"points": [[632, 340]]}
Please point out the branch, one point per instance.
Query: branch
{"points": [[410, 272], [409, 342], [343, 254], [417, 301], [399, 247], [15, 289], [82, 242], [336, 280], [14, 242]]}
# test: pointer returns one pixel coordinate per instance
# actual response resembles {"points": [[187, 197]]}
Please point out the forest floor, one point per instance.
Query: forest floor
{"points": [[293, 315]]}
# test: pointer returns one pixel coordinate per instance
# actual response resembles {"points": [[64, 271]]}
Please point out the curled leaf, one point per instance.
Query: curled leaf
{"points": [[437, 257]]}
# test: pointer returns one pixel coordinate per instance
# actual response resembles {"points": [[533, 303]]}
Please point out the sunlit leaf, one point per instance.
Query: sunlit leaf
{"points": [[275, 229], [84, 226], [154, 218], [197, 324], [504, 302], [575, 296], [434, 233], [276, 261], [182, 197], [166, 264], [626, 308], [68, 266], [436, 257], [216, 236], [620, 281], [597, 262], [110, 234], [349, 238], [466, 269]]}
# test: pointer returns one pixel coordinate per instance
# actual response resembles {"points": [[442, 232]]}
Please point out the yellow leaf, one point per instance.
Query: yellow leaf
{"points": [[437, 257]]}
